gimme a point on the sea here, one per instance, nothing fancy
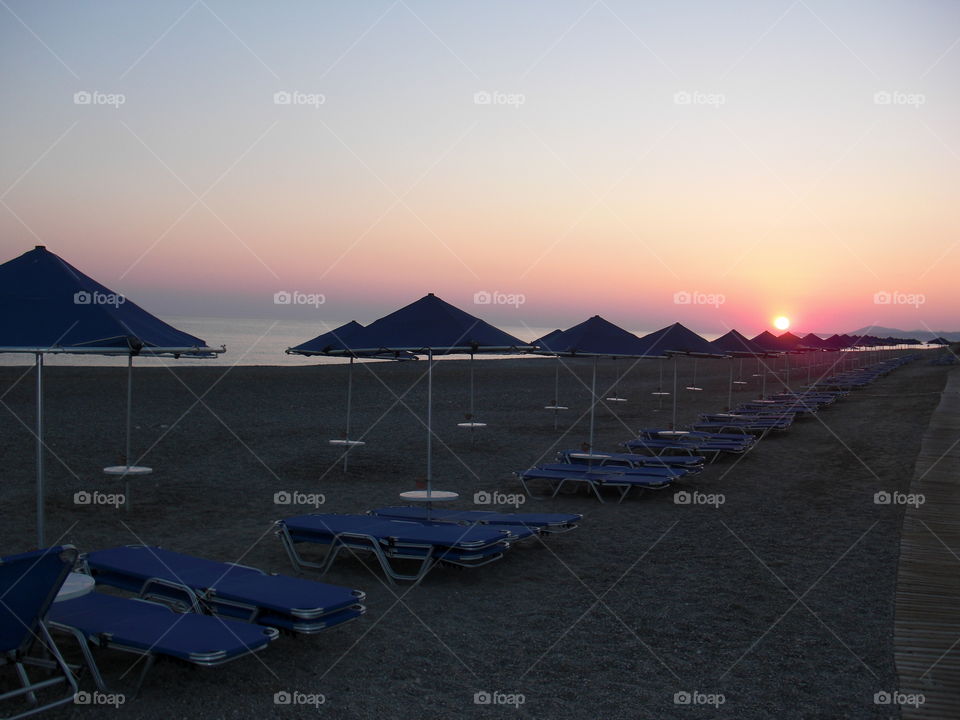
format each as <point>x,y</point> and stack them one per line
<point>249,341</point>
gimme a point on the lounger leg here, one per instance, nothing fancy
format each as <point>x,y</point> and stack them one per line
<point>596,490</point>
<point>25,681</point>
<point>425,566</point>
<point>88,658</point>
<point>143,674</point>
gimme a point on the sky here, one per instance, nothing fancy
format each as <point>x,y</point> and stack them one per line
<point>718,164</point>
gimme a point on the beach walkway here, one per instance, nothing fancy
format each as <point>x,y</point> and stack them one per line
<point>927,625</point>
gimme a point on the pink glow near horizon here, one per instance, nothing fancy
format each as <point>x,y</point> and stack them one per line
<point>799,194</point>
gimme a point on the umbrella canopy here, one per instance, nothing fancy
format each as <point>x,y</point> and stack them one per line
<point>675,339</point>
<point>769,342</point>
<point>835,342</point>
<point>814,342</point>
<point>543,342</point>
<point>596,337</point>
<point>429,325</point>
<point>336,339</point>
<point>788,341</point>
<point>48,306</point>
<point>733,343</point>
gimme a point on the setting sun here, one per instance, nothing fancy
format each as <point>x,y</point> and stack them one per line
<point>781,323</point>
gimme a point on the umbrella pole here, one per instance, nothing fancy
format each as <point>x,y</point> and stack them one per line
<point>429,425</point>
<point>593,400</point>
<point>349,407</point>
<point>674,425</point>
<point>472,416</point>
<point>730,389</point>
<point>556,394</point>
<point>126,457</point>
<point>40,492</point>
<point>126,452</point>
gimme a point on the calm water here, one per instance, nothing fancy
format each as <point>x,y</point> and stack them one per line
<point>248,341</point>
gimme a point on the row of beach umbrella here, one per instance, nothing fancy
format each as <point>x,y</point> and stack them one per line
<point>47,306</point>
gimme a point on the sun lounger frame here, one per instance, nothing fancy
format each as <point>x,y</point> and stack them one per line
<point>385,550</point>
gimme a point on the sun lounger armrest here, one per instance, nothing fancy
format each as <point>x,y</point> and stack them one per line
<point>247,567</point>
<point>192,600</point>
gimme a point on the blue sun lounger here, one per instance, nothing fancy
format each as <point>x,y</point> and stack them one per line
<point>152,630</point>
<point>29,583</point>
<point>237,591</point>
<point>690,463</point>
<point>547,523</point>
<point>623,480</point>
<point>395,541</point>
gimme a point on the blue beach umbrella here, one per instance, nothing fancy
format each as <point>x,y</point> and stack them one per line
<point>430,326</point>
<point>47,306</point>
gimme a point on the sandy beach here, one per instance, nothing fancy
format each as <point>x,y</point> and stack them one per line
<point>780,599</point>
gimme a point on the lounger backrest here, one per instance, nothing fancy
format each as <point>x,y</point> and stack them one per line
<point>29,583</point>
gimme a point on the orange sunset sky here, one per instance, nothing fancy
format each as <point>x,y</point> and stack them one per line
<point>797,159</point>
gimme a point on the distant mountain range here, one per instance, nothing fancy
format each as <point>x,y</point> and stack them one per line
<point>918,334</point>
